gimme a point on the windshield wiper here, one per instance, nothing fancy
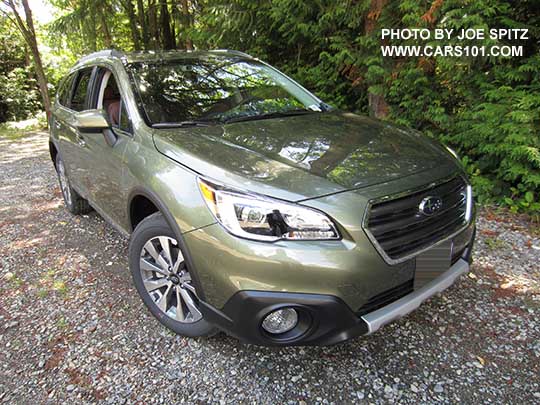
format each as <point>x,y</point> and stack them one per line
<point>200,123</point>
<point>325,107</point>
<point>181,124</point>
<point>276,114</point>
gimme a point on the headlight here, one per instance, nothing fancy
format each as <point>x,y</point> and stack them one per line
<point>265,219</point>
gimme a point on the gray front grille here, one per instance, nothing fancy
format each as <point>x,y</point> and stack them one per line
<point>400,230</point>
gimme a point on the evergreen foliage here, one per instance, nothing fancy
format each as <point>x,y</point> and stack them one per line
<point>19,94</point>
<point>486,108</point>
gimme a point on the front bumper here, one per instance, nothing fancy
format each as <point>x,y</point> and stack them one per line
<point>324,319</point>
<point>404,306</point>
<point>342,288</point>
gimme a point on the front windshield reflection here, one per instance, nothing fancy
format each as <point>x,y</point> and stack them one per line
<point>215,90</point>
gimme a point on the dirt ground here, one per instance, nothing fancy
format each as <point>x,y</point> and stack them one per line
<point>72,328</point>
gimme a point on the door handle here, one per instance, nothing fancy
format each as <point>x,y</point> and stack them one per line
<point>81,141</point>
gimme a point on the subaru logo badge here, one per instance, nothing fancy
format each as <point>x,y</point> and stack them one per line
<point>430,205</point>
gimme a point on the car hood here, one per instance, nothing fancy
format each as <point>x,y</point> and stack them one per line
<point>302,157</point>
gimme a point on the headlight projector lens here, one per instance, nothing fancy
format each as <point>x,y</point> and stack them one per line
<point>265,219</point>
<point>280,321</point>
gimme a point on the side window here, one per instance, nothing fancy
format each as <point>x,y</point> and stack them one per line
<point>110,100</point>
<point>78,99</point>
<point>64,91</point>
<point>123,123</point>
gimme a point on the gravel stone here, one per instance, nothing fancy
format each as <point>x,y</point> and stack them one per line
<point>73,330</point>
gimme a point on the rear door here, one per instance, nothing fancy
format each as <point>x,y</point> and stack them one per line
<point>64,131</point>
<point>75,142</point>
<point>60,116</point>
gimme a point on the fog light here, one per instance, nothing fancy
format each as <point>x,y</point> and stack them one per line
<point>280,321</point>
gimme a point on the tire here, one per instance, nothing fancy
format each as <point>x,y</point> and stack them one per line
<point>162,279</point>
<point>73,201</point>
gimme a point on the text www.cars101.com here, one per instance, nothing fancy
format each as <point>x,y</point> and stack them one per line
<point>452,50</point>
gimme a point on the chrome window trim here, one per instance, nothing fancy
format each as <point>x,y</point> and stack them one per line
<point>406,193</point>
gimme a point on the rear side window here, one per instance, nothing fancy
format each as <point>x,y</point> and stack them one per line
<point>64,91</point>
<point>78,100</point>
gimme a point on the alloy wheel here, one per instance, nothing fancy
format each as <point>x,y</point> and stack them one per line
<point>167,279</point>
<point>64,183</point>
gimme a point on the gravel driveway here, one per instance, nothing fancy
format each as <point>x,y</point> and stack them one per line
<point>72,328</point>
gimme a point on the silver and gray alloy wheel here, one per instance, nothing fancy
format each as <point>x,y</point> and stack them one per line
<point>64,182</point>
<point>73,201</point>
<point>167,279</point>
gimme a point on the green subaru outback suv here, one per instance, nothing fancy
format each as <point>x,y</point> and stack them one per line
<point>252,206</point>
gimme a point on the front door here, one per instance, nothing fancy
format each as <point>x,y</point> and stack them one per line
<point>104,180</point>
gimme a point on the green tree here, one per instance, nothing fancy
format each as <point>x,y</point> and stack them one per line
<point>26,27</point>
<point>487,108</point>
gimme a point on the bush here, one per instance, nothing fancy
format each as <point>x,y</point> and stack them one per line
<point>488,109</point>
<point>19,95</point>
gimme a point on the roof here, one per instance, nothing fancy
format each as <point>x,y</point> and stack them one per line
<point>128,57</point>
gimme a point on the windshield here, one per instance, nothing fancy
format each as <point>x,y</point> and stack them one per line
<point>216,90</point>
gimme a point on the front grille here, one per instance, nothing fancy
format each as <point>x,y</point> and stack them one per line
<point>386,297</point>
<point>399,228</point>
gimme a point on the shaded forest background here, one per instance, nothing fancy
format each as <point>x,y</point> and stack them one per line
<point>486,108</point>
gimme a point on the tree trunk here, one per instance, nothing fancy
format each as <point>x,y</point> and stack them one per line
<point>165,20</point>
<point>27,60</point>
<point>377,104</point>
<point>29,35</point>
<point>173,31</point>
<point>187,23</point>
<point>378,107</point>
<point>153,24</point>
<point>143,22</point>
<point>130,10</point>
<point>88,26</point>
<point>105,29</point>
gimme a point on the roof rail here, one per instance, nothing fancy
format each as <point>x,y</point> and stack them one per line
<point>239,53</point>
<point>107,52</point>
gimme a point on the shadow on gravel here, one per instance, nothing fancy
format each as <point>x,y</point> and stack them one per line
<point>72,328</point>
<point>31,146</point>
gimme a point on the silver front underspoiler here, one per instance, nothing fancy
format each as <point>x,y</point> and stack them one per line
<point>404,306</point>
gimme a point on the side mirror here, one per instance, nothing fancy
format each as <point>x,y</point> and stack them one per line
<point>96,121</point>
<point>92,121</point>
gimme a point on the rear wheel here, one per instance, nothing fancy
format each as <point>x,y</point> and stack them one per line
<point>163,279</point>
<point>73,201</point>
